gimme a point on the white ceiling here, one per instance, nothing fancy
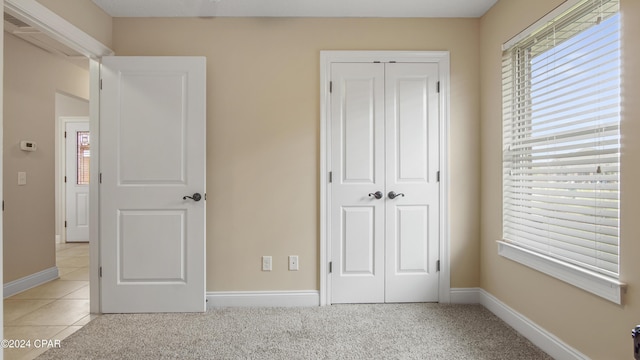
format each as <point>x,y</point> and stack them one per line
<point>295,8</point>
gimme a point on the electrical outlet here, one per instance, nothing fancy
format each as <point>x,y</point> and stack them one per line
<point>266,263</point>
<point>293,262</point>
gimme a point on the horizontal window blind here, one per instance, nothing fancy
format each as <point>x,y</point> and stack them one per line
<point>561,139</point>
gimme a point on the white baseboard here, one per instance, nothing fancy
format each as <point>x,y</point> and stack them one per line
<point>542,338</point>
<point>465,295</point>
<point>30,281</point>
<point>263,298</point>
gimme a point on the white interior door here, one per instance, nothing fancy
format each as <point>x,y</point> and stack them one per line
<point>152,136</point>
<point>357,215</point>
<point>77,159</point>
<point>412,165</point>
<point>384,138</point>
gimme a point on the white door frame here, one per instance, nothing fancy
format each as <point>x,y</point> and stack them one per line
<point>53,25</point>
<point>328,57</point>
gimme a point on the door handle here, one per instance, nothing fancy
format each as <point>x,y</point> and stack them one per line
<point>377,194</point>
<point>194,197</point>
<point>393,195</point>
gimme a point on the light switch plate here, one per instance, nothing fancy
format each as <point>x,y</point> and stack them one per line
<point>266,263</point>
<point>293,262</point>
<point>22,178</point>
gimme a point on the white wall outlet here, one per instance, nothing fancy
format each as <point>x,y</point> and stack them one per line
<point>266,263</point>
<point>293,262</point>
<point>22,178</point>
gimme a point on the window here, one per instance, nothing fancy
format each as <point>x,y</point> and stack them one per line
<point>83,157</point>
<point>561,147</point>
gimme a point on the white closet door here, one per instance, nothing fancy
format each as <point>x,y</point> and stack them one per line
<point>384,138</point>
<point>357,219</point>
<point>412,219</point>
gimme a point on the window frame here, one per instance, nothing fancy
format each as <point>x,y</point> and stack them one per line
<point>596,283</point>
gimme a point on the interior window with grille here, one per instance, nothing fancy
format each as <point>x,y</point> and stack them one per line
<point>561,139</point>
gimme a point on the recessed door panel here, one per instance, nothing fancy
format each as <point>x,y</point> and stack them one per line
<point>412,128</point>
<point>358,129</point>
<point>138,236</point>
<point>82,209</point>
<point>358,241</point>
<point>412,235</point>
<point>151,105</point>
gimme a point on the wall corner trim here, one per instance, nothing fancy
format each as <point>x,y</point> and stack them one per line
<point>30,281</point>
<point>306,298</point>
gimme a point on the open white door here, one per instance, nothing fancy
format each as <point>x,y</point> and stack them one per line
<point>77,159</point>
<point>152,146</point>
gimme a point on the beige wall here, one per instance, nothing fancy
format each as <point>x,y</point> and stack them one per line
<point>263,131</point>
<point>32,78</point>
<point>596,327</point>
<point>85,15</point>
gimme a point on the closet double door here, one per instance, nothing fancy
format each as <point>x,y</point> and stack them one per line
<point>384,192</point>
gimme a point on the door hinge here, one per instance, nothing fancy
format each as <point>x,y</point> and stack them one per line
<point>100,271</point>
<point>100,84</point>
<point>65,179</point>
<point>330,86</point>
<point>100,178</point>
<point>438,265</point>
<point>2,205</point>
<point>65,134</point>
<point>438,87</point>
<point>330,176</point>
<point>330,267</point>
<point>438,176</point>
<point>65,223</point>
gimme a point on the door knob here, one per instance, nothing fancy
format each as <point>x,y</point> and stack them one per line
<point>393,195</point>
<point>377,194</point>
<point>194,197</point>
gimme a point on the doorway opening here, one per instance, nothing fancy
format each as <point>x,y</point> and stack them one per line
<point>55,33</point>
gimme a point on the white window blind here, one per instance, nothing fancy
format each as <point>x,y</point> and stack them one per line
<point>561,140</point>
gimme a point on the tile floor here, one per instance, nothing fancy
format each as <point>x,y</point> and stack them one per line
<point>53,310</point>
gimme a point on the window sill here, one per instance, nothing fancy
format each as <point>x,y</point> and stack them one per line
<point>605,287</point>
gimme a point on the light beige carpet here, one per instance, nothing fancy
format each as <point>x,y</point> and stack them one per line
<point>385,331</point>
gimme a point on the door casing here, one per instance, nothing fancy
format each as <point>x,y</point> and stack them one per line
<point>326,59</point>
